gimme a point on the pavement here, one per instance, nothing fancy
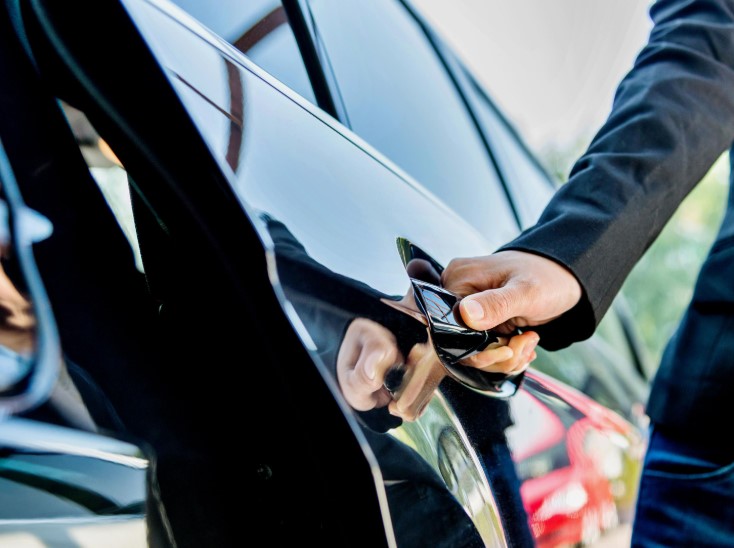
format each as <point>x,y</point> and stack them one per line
<point>619,537</point>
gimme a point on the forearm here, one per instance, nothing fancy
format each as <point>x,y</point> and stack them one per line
<point>672,117</point>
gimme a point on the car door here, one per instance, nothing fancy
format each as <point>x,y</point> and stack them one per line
<point>333,210</point>
<point>310,469</point>
<point>267,230</point>
<point>380,96</point>
<point>401,88</point>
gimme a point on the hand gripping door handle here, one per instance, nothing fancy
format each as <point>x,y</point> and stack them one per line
<point>452,340</point>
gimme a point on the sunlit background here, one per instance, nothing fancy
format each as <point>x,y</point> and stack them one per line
<point>553,68</point>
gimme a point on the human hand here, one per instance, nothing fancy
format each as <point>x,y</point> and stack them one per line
<point>424,372</point>
<point>367,353</point>
<point>510,359</point>
<point>511,289</point>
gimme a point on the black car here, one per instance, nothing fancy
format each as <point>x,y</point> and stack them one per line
<point>239,197</point>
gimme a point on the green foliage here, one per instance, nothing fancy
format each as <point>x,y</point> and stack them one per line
<point>661,284</point>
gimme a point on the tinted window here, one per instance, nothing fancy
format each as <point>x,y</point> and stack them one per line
<point>529,186</point>
<point>259,29</point>
<point>399,97</point>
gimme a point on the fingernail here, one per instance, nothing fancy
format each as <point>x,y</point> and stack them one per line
<point>473,309</point>
<point>507,353</point>
<point>529,348</point>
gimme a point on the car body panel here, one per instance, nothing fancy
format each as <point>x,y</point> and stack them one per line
<point>331,269</point>
<point>294,217</point>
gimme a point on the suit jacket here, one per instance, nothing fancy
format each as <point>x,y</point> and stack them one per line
<point>672,117</point>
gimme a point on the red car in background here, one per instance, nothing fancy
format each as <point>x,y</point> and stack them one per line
<point>577,461</point>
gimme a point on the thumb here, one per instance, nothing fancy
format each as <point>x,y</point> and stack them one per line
<point>492,307</point>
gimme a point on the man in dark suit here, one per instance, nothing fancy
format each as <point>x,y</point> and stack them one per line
<point>672,117</point>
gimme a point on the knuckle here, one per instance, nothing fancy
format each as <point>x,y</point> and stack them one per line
<point>455,263</point>
<point>455,267</point>
<point>477,360</point>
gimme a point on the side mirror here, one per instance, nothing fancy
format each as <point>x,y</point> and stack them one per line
<point>29,343</point>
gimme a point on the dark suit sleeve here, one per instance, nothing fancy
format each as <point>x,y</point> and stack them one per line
<point>672,117</point>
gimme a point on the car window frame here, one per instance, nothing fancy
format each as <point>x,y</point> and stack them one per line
<point>322,81</point>
<point>310,41</point>
<point>479,98</point>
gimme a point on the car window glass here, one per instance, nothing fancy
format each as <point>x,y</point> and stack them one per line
<point>530,187</point>
<point>399,98</point>
<point>259,29</point>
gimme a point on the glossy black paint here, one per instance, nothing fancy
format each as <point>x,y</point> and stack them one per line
<point>59,483</point>
<point>34,386</point>
<point>326,284</point>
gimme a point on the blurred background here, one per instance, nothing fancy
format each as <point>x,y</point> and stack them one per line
<point>553,68</point>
